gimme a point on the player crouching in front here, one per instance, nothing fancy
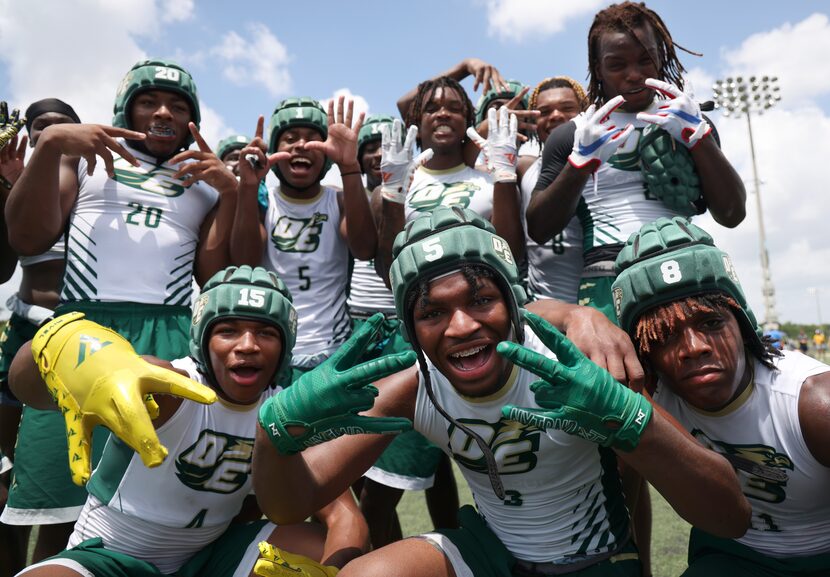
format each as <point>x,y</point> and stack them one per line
<point>177,516</point>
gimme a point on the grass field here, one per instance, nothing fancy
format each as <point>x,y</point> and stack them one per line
<point>669,535</point>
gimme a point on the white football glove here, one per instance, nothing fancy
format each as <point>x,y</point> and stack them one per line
<point>680,115</point>
<point>597,139</point>
<point>398,161</point>
<point>500,148</point>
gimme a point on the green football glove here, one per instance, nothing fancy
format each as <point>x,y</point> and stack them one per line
<point>326,401</point>
<point>577,396</point>
<point>9,125</point>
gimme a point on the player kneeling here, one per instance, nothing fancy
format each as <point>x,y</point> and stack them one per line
<point>176,514</point>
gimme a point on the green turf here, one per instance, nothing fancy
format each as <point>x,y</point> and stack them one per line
<point>669,535</point>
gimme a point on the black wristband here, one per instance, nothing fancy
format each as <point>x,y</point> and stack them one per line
<point>342,174</point>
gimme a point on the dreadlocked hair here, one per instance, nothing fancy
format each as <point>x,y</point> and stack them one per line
<point>655,325</point>
<point>626,17</point>
<point>559,82</point>
<point>425,91</point>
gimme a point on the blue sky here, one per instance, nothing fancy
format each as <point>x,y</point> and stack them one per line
<point>246,56</point>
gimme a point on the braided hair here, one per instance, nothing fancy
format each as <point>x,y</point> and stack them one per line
<point>655,325</point>
<point>426,89</point>
<point>559,82</point>
<point>626,17</point>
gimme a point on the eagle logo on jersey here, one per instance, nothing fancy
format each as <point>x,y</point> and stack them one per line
<point>440,194</point>
<point>158,180</point>
<point>298,234</point>
<point>762,470</point>
<point>216,462</point>
<point>514,445</point>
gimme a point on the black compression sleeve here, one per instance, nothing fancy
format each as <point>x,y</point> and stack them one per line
<point>555,155</point>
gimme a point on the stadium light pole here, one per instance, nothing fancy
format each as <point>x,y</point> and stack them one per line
<point>736,96</point>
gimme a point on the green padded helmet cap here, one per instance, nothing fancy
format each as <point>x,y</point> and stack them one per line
<point>513,88</point>
<point>370,131</point>
<point>671,259</point>
<point>155,75</point>
<point>231,143</point>
<point>243,293</point>
<point>297,112</point>
<point>669,171</point>
<point>442,241</point>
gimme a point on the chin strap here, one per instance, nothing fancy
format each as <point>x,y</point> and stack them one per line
<point>492,468</point>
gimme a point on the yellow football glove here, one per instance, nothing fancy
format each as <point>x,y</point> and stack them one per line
<point>96,378</point>
<point>277,563</point>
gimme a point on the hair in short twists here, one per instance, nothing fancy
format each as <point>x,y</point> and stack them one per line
<point>425,91</point>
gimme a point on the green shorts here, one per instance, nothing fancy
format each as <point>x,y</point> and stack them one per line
<point>410,462</point>
<point>18,331</point>
<point>42,491</point>
<point>711,556</point>
<point>233,554</point>
<point>474,550</point>
<point>158,330</point>
<point>595,292</point>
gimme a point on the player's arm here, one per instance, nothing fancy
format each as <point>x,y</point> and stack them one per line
<point>26,383</point>
<point>213,251</point>
<point>398,163</point>
<point>595,138</point>
<point>298,468</point>
<point>39,204</point>
<point>486,76</point>
<point>680,116</point>
<point>357,225</point>
<point>347,534</point>
<point>698,483</point>
<point>8,258</point>
<point>501,150</point>
<point>96,378</point>
<point>578,397</point>
<point>390,219</point>
<point>248,238</point>
<point>599,339</point>
<point>721,186</point>
<point>814,416</point>
<point>290,487</point>
<point>559,188</point>
<point>12,156</point>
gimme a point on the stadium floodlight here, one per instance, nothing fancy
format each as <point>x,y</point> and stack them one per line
<point>738,96</point>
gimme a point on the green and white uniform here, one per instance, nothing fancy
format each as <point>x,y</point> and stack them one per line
<point>134,238</point>
<point>131,245</point>
<point>461,185</point>
<point>167,514</point>
<point>305,249</point>
<point>368,294</point>
<point>409,463</point>
<point>553,268</point>
<point>761,435</point>
<point>615,203</point>
<point>563,500</point>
